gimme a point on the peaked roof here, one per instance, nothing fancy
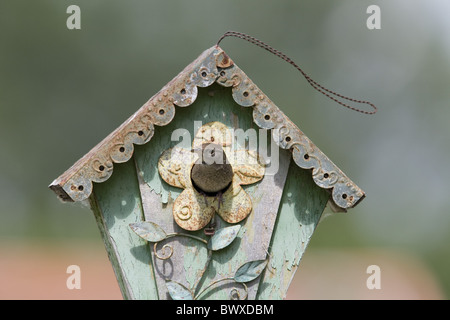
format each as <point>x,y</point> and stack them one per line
<point>213,65</point>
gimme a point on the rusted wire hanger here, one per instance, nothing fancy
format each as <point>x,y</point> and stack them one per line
<point>328,93</point>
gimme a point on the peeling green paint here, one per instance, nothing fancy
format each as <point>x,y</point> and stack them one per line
<point>301,207</point>
<point>117,204</point>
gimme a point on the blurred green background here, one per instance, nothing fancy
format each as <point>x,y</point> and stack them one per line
<point>62,91</point>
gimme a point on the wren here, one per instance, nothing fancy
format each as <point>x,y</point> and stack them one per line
<point>212,173</point>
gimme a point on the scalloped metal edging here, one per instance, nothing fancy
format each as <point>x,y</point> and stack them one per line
<point>213,65</point>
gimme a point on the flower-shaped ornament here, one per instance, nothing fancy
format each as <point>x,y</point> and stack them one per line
<point>211,174</point>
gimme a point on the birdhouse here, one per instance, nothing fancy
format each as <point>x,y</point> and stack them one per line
<point>208,191</point>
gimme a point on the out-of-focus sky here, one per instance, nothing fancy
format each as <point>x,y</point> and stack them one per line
<point>62,91</point>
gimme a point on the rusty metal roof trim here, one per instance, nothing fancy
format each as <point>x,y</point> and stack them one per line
<point>213,65</point>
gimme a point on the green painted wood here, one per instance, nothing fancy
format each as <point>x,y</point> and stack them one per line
<point>116,203</point>
<point>300,210</point>
<point>214,103</point>
<point>135,192</point>
<point>185,264</point>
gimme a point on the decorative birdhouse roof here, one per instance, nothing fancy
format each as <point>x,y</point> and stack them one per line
<point>212,66</point>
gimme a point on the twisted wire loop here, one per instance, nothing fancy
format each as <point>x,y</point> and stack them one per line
<point>328,93</point>
<point>234,293</point>
<point>164,256</point>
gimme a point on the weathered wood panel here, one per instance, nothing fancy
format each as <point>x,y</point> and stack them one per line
<point>116,203</point>
<point>214,103</point>
<point>300,210</point>
<point>136,193</point>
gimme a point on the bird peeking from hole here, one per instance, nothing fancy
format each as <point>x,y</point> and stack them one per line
<point>211,173</point>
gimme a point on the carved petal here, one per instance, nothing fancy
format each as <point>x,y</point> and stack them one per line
<point>247,166</point>
<point>213,132</point>
<point>174,167</point>
<point>192,211</point>
<point>236,204</point>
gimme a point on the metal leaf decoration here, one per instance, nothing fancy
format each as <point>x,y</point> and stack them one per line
<point>177,291</point>
<point>223,237</point>
<point>149,231</point>
<point>250,270</point>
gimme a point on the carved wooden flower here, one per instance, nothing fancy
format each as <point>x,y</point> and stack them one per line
<point>193,210</point>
